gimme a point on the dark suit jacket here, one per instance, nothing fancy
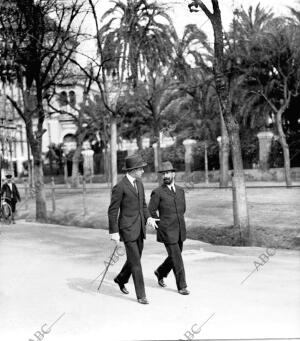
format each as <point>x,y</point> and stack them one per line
<point>128,212</point>
<point>13,195</point>
<point>171,209</point>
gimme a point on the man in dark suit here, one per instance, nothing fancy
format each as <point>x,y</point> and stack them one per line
<point>169,201</point>
<point>128,214</point>
<point>10,194</point>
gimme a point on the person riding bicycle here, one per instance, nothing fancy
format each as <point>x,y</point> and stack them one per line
<point>10,194</point>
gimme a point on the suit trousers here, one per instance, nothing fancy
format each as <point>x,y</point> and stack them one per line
<point>12,205</point>
<point>133,266</point>
<point>174,262</point>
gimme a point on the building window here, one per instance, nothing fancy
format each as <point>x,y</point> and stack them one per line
<point>63,99</point>
<point>72,98</point>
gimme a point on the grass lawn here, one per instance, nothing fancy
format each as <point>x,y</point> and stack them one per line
<point>274,214</point>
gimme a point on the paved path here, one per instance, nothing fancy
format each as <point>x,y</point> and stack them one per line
<point>46,274</point>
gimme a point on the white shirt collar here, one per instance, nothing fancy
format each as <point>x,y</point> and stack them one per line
<point>172,185</point>
<point>131,179</point>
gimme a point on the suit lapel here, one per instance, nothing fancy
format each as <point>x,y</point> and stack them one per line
<point>129,185</point>
<point>9,188</point>
<point>176,189</point>
<point>168,191</point>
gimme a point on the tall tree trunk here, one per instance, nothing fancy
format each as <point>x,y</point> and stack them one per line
<point>35,142</point>
<point>139,142</point>
<point>40,198</point>
<point>113,151</point>
<point>65,170</point>
<point>30,168</point>
<point>240,206</point>
<point>157,138</point>
<point>106,165</point>
<point>224,159</point>
<point>240,209</point>
<point>157,155</point>
<point>285,149</point>
<point>205,163</point>
<point>50,161</point>
<point>159,152</point>
<point>11,163</point>
<point>286,157</point>
<point>75,167</point>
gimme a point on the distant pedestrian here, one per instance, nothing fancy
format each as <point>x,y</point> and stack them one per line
<point>10,194</point>
<point>128,214</point>
<point>169,201</point>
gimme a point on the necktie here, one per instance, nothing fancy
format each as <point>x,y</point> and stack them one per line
<point>172,188</point>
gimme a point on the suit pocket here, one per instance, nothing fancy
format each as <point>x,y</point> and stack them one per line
<point>126,223</point>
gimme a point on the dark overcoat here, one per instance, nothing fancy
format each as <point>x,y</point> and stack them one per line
<point>171,208</point>
<point>128,212</point>
<point>9,195</point>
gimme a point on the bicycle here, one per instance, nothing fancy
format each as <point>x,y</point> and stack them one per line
<point>5,211</point>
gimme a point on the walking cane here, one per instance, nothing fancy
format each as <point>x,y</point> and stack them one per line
<point>108,265</point>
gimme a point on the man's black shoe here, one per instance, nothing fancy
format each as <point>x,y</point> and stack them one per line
<point>143,300</point>
<point>160,279</point>
<point>184,291</point>
<point>121,286</point>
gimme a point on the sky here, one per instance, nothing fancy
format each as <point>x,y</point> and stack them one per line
<point>181,16</point>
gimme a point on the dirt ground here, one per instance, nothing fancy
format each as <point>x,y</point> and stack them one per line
<point>47,283</point>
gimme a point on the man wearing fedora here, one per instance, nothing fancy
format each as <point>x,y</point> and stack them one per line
<point>169,201</point>
<point>128,215</point>
<point>10,194</point>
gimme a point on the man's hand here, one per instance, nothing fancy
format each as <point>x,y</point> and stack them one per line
<point>152,222</point>
<point>115,237</point>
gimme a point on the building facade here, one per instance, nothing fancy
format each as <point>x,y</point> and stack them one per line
<point>59,129</point>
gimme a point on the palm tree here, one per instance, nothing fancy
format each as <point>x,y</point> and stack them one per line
<point>249,23</point>
<point>269,56</point>
<point>136,119</point>
<point>196,115</point>
<point>156,97</point>
<point>243,42</point>
<point>245,31</point>
<point>192,46</point>
<point>135,36</point>
<point>222,82</point>
<point>281,44</point>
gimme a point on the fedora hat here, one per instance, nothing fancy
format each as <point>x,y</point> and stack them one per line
<point>133,162</point>
<point>166,167</point>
